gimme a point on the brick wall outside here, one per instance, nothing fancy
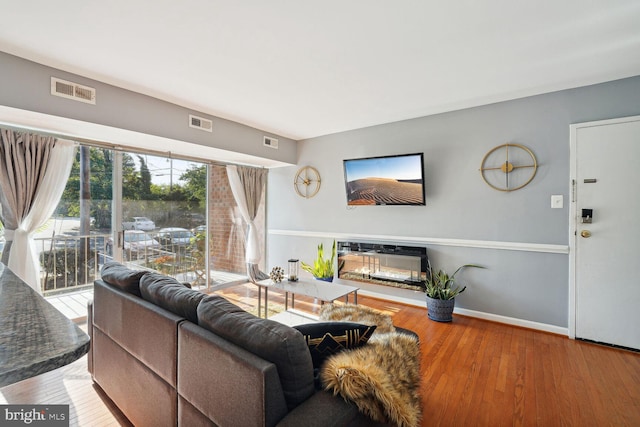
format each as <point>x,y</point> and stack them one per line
<point>227,230</point>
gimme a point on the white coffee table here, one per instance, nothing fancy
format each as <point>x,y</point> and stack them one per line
<point>323,291</point>
<point>292,317</point>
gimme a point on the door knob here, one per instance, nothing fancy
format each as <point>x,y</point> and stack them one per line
<point>585,233</point>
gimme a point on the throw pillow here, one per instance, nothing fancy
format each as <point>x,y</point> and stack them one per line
<point>327,338</point>
<point>122,277</point>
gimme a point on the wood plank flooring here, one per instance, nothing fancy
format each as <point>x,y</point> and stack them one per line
<point>70,385</point>
<point>474,373</point>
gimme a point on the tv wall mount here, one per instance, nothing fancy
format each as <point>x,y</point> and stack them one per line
<point>508,167</point>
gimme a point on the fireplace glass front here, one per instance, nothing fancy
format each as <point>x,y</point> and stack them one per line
<point>393,265</point>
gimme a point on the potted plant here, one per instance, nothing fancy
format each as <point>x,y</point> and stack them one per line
<point>441,291</point>
<point>322,269</point>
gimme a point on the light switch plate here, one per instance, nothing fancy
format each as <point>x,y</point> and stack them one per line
<point>556,201</point>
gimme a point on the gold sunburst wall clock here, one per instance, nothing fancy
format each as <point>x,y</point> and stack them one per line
<point>508,167</point>
<point>307,182</point>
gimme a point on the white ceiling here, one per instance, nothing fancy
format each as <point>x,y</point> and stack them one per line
<point>303,69</point>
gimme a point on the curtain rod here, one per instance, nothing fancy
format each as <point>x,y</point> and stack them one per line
<point>117,147</point>
<point>108,145</point>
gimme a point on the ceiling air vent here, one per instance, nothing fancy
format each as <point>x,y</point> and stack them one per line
<point>73,91</point>
<point>270,142</point>
<point>200,123</point>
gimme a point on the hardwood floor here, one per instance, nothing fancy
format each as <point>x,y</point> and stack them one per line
<point>474,373</point>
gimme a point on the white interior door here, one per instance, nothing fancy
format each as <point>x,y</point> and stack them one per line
<point>606,252</point>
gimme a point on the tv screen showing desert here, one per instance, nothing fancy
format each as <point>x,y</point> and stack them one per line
<point>384,181</point>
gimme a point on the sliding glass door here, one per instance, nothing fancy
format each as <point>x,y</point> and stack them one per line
<point>174,216</point>
<point>72,244</point>
<point>162,224</point>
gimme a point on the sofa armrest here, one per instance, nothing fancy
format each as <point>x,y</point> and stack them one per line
<point>326,410</point>
<point>90,332</point>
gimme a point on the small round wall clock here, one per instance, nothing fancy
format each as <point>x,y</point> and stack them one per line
<point>307,182</point>
<point>508,167</point>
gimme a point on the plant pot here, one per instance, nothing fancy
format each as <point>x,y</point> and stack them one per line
<point>325,279</point>
<point>440,310</point>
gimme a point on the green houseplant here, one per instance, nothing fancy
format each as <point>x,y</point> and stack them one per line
<point>441,290</point>
<point>322,269</point>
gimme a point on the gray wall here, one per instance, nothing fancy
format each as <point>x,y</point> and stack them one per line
<point>522,241</point>
<point>26,86</point>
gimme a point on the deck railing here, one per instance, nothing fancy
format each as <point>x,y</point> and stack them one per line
<point>73,262</point>
<point>70,262</point>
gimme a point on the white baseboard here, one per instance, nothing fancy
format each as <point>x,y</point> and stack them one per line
<point>472,313</point>
<point>513,321</point>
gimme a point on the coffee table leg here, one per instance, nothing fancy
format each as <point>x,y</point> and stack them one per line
<point>259,300</point>
<point>293,301</point>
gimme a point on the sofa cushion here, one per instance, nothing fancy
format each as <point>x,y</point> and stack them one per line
<point>279,344</point>
<point>168,293</point>
<point>327,338</point>
<point>122,277</point>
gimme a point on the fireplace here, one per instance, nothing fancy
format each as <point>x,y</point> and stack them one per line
<point>383,264</point>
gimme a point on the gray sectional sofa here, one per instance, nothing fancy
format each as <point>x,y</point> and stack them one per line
<point>168,355</point>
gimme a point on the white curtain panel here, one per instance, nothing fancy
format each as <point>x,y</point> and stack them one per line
<point>238,231</point>
<point>23,257</point>
<point>253,253</point>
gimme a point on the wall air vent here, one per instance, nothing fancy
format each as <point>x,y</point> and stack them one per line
<point>200,123</point>
<point>73,91</point>
<point>270,142</point>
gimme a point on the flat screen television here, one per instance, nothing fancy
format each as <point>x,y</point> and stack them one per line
<point>385,180</point>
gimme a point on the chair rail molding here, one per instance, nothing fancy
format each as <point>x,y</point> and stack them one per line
<point>479,244</point>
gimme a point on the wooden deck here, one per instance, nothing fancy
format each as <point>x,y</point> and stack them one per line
<point>74,304</point>
<point>474,373</point>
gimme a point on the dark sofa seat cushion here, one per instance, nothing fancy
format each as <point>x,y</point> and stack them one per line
<point>122,277</point>
<point>168,293</point>
<point>279,344</point>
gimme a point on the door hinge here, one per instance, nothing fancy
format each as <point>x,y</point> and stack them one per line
<point>573,190</point>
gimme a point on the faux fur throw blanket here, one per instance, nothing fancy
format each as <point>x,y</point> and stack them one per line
<point>357,314</point>
<point>383,377</point>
